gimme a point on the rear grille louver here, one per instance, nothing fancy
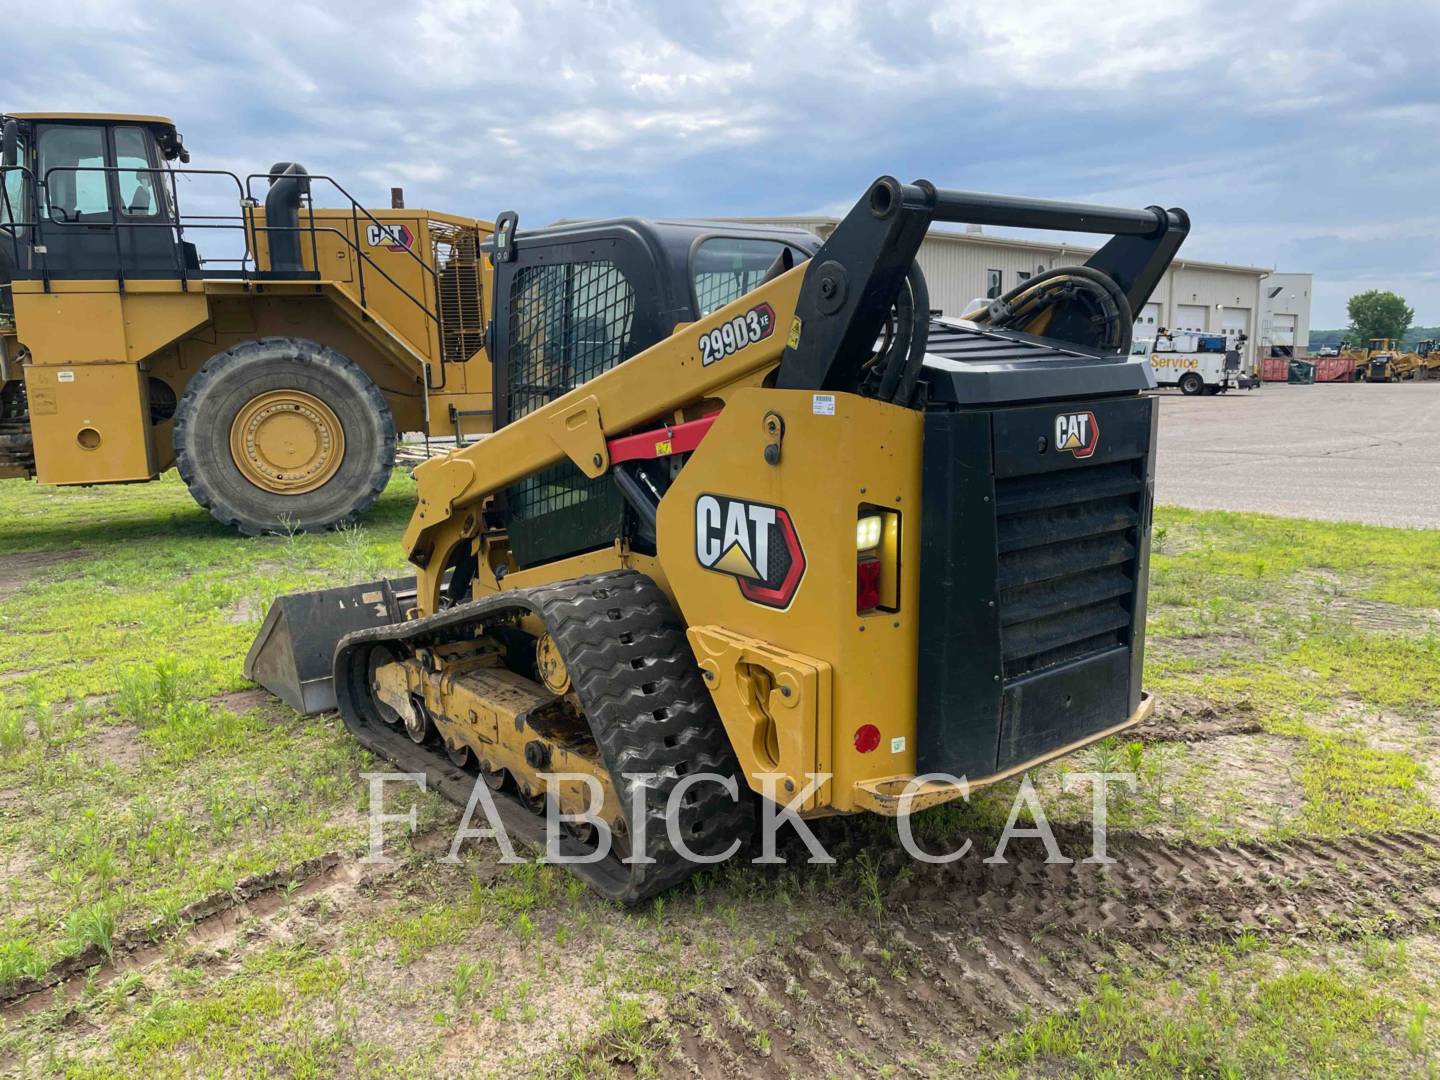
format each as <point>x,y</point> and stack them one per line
<point>1067,545</point>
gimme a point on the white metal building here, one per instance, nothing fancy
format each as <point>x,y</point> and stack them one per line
<point>1197,296</point>
<point>1285,312</point>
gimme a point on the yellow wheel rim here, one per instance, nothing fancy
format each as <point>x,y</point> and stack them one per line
<point>287,442</point>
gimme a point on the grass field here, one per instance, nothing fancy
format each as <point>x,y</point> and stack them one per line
<point>181,877</point>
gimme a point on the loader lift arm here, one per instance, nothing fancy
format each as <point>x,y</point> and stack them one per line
<point>833,307</point>
<point>852,281</point>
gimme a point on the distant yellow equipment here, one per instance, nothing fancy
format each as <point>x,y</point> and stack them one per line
<point>276,379</point>
<point>1429,357</point>
<point>1386,361</point>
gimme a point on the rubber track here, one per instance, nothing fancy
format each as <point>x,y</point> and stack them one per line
<point>967,951</point>
<point>642,695</point>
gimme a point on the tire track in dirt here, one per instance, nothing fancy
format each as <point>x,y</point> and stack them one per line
<point>201,921</point>
<point>205,921</point>
<point>965,951</point>
<point>1198,731</point>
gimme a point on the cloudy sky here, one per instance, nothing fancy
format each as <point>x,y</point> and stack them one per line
<point>1301,136</point>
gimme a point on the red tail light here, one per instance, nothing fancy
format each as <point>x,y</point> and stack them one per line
<point>867,584</point>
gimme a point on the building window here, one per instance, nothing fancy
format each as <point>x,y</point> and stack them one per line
<point>992,284</point>
<point>1022,276</point>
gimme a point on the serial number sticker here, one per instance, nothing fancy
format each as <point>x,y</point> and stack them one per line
<point>757,324</point>
<point>65,376</point>
<point>823,405</point>
<point>897,744</point>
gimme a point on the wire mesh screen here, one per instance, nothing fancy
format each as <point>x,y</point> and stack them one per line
<point>568,323</point>
<point>560,487</point>
<point>460,304</point>
<point>714,291</point>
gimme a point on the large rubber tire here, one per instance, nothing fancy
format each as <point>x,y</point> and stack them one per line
<point>1191,383</point>
<point>232,379</point>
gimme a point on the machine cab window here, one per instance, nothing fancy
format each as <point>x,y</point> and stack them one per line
<point>725,268</point>
<point>137,173</point>
<point>72,174</point>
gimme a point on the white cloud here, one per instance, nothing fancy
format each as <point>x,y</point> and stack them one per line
<point>1288,132</point>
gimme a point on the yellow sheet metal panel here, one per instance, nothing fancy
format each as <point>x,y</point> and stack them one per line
<point>75,323</point>
<point>81,322</point>
<point>731,514</point>
<point>91,423</point>
<point>154,320</point>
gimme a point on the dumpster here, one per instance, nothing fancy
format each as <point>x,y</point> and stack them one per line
<point>1274,369</point>
<point>1334,369</point>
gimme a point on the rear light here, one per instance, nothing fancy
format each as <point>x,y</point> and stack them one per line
<point>868,532</point>
<point>867,584</point>
<point>867,738</point>
<point>877,563</point>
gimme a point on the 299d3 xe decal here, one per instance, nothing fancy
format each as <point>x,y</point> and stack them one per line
<point>1077,433</point>
<point>755,325</point>
<point>754,543</point>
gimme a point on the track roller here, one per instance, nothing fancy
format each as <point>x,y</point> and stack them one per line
<point>619,696</point>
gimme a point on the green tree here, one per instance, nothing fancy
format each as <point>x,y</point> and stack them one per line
<point>1377,314</point>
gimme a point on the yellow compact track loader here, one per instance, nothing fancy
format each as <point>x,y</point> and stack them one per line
<point>275,375</point>
<point>752,510</point>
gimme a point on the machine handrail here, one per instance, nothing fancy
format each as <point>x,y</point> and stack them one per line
<point>243,222</point>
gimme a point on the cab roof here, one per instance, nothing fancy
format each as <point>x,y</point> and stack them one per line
<point>163,128</point>
<point>133,118</point>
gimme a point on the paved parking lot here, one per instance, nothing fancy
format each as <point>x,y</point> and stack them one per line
<point>1342,451</point>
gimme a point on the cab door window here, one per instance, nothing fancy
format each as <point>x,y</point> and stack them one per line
<point>72,168</point>
<point>136,176</point>
<point>12,208</point>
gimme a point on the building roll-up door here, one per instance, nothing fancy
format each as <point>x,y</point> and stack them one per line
<point>1235,321</point>
<point>1282,329</point>
<point>1190,319</point>
<point>1148,322</point>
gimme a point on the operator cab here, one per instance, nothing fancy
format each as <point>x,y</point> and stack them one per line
<point>585,296</point>
<point>90,196</point>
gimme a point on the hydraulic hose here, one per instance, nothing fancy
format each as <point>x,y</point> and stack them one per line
<point>894,373</point>
<point>1033,304</point>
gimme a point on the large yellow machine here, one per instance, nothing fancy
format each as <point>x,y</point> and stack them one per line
<point>750,511</point>
<point>275,375</point>
<point>1386,361</point>
<point>1429,357</point>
